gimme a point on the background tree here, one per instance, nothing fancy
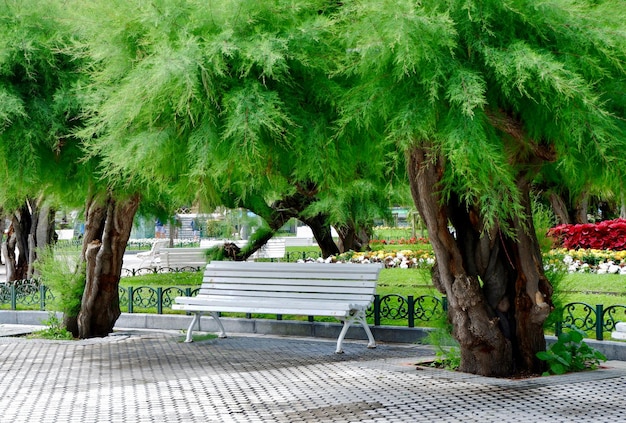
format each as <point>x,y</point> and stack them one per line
<point>229,105</point>
<point>481,95</point>
<point>37,112</point>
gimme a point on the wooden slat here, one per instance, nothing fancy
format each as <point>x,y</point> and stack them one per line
<point>288,294</point>
<point>275,303</point>
<point>279,274</point>
<point>287,284</point>
<point>262,310</point>
<point>334,268</point>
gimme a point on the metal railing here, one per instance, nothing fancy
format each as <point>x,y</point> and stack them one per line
<point>390,309</point>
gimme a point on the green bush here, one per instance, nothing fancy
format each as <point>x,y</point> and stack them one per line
<point>57,273</point>
<point>447,350</point>
<point>54,330</point>
<point>570,354</point>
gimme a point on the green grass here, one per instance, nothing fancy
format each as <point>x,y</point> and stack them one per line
<point>590,282</point>
<point>163,280</point>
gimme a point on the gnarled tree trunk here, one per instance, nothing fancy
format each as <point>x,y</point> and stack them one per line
<point>17,253</point>
<point>107,230</point>
<point>498,296</point>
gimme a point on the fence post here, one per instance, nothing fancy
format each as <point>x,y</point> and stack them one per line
<point>599,322</point>
<point>42,297</point>
<point>13,297</point>
<point>411,311</point>
<point>159,300</point>
<point>131,294</point>
<point>376,310</point>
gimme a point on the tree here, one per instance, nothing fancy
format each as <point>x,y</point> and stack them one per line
<point>228,105</point>
<point>481,96</point>
<point>41,71</point>
<point>37,114</point>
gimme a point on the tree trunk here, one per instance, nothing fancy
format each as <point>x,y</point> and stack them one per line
<point>353,238</point>
<point>322,234</point>
<point>103,263</point>
<point>95,217</point>
<point>32,228</point>
<point>560,209</point>
<point>18,245</point>
<point>498,297</point>
<point>581,207</point>
<point>41,233</point>
<point>279,213</point>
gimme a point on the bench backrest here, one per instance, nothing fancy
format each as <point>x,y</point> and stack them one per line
<point>333,282</point>
<point>179,257</point>
<point>274,248</point>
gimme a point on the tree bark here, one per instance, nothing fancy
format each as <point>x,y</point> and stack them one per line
<point>32,228</point>
<point>498,297</point>
<point>322,234</point>
<point>17,245</point>
<point>559,207</point>
<point>353,238</point>
<point>103,258</point>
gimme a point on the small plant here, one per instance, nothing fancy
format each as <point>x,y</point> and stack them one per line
<point>54,330</point>
<point>570,354</point>
<point>447,352</point>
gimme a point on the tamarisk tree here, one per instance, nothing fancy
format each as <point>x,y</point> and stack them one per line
<point>38,112</point>
<point>229,105</point>
<point>481,96</point>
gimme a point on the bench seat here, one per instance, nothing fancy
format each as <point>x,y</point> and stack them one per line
<point>343,291</point>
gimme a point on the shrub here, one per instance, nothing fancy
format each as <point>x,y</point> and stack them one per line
<point>570,354</point>
<point>606,235</point>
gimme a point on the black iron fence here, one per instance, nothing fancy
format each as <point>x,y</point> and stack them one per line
<point>391,309</point>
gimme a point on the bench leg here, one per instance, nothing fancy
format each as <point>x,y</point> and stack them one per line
<point>196,319</point>
<point>363,320</point>
<point>357,317</point>
<point>216,317</point>
<point>344,330</point>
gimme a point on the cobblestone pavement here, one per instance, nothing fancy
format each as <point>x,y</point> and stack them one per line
<point>145,376</point>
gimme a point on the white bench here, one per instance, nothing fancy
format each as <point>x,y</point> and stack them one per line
<point>343,291</point>
<point>273,249</point>
<point>178,258</point>
<point>152,256</point>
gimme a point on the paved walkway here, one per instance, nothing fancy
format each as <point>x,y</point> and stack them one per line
<point>146,376</point>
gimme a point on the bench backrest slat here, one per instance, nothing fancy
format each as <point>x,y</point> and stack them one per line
<point>332,282</point>
<point>294,295</point>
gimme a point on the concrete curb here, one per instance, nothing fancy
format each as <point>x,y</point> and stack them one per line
<point>393,334</point>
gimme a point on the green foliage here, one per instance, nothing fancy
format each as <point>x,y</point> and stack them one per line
<point>447,352</point>
<point>54,330</point>
<point>560,284</point>
<point>482,84</point>
<point>58,273</point>
<point>570,354</point>
<point>39,108</point>
<point>543,220</point>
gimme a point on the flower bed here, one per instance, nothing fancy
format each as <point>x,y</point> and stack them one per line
<point>404,259</point>
<point>586,260</point>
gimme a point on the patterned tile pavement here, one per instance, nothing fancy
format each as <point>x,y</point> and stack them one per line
<point>151,376</point>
